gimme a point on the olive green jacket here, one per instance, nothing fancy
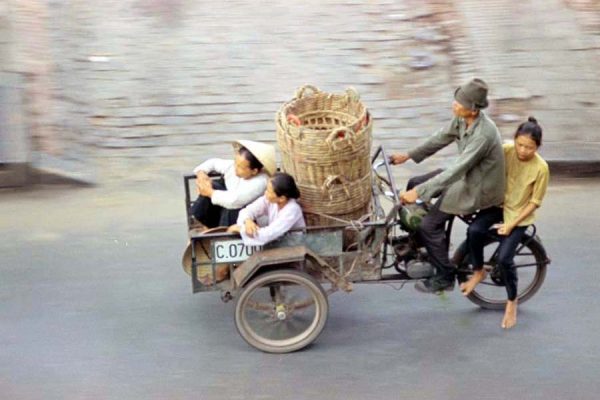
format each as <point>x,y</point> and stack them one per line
<point>476,179</point>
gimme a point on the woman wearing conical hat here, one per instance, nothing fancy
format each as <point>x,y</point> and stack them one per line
<point>244,180</point>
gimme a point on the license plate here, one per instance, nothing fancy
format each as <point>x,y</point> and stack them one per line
<point>231,251</point>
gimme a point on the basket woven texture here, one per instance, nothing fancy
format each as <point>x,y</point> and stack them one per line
<point>325,141</point>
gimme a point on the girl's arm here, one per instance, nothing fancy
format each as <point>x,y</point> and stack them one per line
<point>539,191</point>
<point>252,211</point>
<point>286,219</point>
<point>506,228</point>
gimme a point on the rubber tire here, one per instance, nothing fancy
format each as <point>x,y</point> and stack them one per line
<point>539,254</point>
<point>298,277</point>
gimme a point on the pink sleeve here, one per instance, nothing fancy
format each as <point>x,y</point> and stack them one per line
<point>285,221</point>
<point>257,208</point>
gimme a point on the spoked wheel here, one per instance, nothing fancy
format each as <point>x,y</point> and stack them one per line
<point>530,261</point>
<point>281,311</point>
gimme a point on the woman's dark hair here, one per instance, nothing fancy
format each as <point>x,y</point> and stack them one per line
<point>531,128</point>
<point>284,185</point>
<point>254,163</point>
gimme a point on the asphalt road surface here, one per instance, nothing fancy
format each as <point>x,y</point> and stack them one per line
<point>94,305</point>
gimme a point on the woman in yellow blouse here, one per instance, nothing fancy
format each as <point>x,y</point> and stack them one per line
<point>526,182</point>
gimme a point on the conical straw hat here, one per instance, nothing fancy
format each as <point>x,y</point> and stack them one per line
<point>265,153</point>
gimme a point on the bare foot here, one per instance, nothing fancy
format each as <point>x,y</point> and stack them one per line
<point>468,286</point>
<point>510,315</point>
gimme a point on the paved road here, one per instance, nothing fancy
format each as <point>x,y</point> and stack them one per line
<point>99,308</point>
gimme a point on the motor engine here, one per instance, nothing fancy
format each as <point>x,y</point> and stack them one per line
<point>419,269</point>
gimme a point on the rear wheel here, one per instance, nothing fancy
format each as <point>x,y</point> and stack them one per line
<point>281,311</point>
<point>530,261</point>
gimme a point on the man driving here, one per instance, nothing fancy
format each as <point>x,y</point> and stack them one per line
<point>474,181</point>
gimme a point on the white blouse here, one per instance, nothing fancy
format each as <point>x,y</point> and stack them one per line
<point>239,191</point>
<point>279,221</point>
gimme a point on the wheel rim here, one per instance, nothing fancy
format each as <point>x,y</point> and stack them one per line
<point>492,290</point>
<point>282,311</point>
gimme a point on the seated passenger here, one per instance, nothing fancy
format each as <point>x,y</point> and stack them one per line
<point>244,180</point>
<point>280,208</point>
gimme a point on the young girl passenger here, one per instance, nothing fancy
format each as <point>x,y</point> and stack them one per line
<point>527,177</point>
<point>278,206</point>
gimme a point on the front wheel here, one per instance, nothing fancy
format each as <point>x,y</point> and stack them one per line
<point>530,261</point>
<point>281,311</point>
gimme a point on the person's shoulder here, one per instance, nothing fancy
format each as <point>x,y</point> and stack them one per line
<point>488,128</point>
<point>510,154</point>
<point>487,122</point>
<point>263,178</point>
<point>542,164</point>
<point>451,128</point>
<point>293,206</point>
<point>508,146</point>
<point>454,122</point>
<point>260,178</point>
<point>293,203</point>
<point>262,200</point>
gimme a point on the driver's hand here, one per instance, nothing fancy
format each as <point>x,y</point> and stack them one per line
<point>399,158</point>
<point>409,197</point>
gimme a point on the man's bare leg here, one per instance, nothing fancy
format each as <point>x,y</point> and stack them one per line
<point>468,286</point>
<point>510,315</point>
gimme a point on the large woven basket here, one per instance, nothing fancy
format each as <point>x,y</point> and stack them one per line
<point>322,134</point>
<point>312,160</point>
<point>325,142</point>
<point>336,195</point>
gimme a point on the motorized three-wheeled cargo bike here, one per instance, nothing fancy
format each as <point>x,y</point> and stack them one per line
<point>281,289</point>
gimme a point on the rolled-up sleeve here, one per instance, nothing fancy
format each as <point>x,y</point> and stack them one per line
<point>540,186</point>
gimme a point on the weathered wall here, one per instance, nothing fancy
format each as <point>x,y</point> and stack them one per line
<point>53,115</point>
<point>110,85</point>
